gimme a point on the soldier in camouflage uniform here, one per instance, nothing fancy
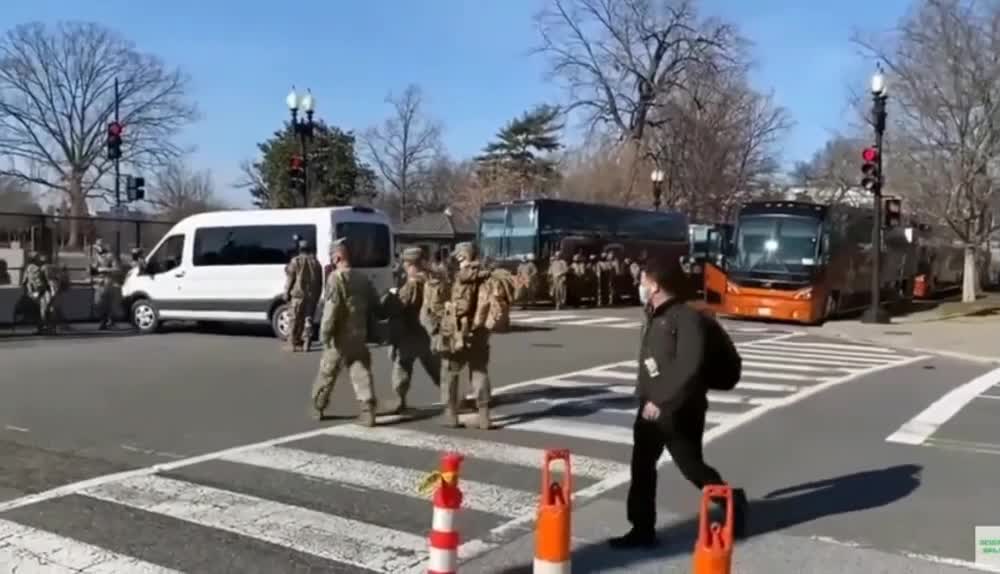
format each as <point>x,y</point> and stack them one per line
<point>558,270</point>
<point>104,273</point>
<point>527,281</point>
<point>451,314</point>
<point>36,286</point>
<point>614,272</point>
<point>303,288</point>
<point>594,276</point>
<point>349,303</point>
<point>409,341</point>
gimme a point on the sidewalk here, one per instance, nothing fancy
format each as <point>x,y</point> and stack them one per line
<point>770,553</point>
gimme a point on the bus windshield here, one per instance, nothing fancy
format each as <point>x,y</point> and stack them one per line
<point>492,228</point>
<point>508,232</point>
<point>776,244</point>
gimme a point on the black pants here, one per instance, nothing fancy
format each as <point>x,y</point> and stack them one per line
<point>681,434</point>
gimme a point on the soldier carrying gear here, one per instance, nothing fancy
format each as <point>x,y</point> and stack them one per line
<point>409,340</point>
<point>303,288</point>
<point>558,269</point>
<point>350,302</point>
<point>104,275</point>
<point>527,281</point>
<point>451,311</point>
<point>36,287</point>
<point>614,271</point>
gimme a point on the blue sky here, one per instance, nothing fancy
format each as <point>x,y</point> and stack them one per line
<point>471,57</point>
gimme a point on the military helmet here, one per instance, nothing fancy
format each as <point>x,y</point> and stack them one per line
<point>465,251</point>
<point>303,245</point>
<point>593,257</point>
<point>578,257</point>
<point>412,255</point>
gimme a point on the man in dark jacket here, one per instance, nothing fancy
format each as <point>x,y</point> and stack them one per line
<point>673,399</point>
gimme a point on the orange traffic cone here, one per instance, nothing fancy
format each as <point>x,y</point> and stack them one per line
<point>444,539</point>
<point>552,531</point>
<point>713,551</point>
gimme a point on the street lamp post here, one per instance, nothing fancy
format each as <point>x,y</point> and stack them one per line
<point>875,313</point>
<point>303,131</point>
<point>657,178</point>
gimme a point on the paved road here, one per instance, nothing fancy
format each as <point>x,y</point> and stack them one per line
<point>88,419</point>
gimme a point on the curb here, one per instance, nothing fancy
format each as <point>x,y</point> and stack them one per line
<point>956,315</point>
<point>923,350</point>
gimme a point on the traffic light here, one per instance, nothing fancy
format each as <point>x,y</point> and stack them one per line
<point>135,188</point>
<point>297,171</point>
<point>892,212</point>
<point>871,175</point>
<point>114,140</point>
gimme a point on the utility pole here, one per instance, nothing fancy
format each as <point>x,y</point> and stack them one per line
<point>118,185</point>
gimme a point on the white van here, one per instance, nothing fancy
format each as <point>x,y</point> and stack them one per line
<point>229,266</point>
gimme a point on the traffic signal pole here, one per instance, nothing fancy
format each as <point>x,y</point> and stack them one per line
<point>118,188</point>
<point>875,313</point>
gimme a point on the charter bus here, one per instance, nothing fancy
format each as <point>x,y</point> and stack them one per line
<point>940,263</point>
<point>804,262</point>
<point>511,230</point>
<point>709,243</point>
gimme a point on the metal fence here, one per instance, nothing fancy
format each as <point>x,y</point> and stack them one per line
<point>68,241</point>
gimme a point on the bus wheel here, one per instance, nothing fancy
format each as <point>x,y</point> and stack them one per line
<point>831,308</point>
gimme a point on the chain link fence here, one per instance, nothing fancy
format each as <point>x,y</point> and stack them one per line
<point>70,246</point>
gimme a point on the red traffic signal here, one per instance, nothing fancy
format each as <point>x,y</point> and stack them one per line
<point>115,129</point>
<point>870,155</point>
<point>296,163</point>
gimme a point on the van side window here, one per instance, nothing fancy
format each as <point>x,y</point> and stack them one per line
<point>169,255</point>
<point>249,244</point>
<point>367,242</point>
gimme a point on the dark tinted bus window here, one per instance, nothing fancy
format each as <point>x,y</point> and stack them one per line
<point>367,242</point>
<point>249,245</point>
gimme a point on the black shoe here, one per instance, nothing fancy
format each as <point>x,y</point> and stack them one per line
<point>633,540</point>
<point>741,506</point>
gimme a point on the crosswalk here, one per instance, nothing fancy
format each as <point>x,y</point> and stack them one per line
<point>544,318</point>
<point>344,498</point>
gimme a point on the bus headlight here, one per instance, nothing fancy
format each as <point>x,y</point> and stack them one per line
<point>732,288</point>
<point>804,294</point>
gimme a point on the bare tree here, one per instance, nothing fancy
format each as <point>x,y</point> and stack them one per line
<point>945,111</point>
<point>178,192</point>
<point>56,99</point>
<point>832,172</point>
<point>403,146</point>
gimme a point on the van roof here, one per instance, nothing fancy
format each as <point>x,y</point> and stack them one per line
<point>264,216</point>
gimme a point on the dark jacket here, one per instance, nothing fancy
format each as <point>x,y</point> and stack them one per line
<point>671,356</point>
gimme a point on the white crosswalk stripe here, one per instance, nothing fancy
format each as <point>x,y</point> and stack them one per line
<point>365,473</point>
<point>588,319</point>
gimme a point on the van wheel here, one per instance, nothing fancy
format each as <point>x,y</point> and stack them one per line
<point>145,316</point>
<point>281,322</point>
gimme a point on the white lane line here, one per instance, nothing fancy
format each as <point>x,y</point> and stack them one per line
<point>767,387</point>
<point>547,318</point>
<point>609,374</point>
<point>595,321</point>
<point>376,476</point>
<point>16,429</point>
<point>298,529</point>
<point>629,325</point>
<point>30,550</point>
<point>794,353</point>
<point>841,346</point>
<point>786,359</point>
<point>853,355</point>
<point>769,375</point>
<point>526,457</point>
<point>989,397</point>
<point>784,367</point>
<point>916,430</point>
<point>558,426</point>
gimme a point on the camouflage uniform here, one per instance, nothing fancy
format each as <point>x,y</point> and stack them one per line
<point>578,283</point>
<point>36,286</point>
<point>409,341</point>
<point>558,269</point>
<point>527,281</point>
<point>450,312</point>
<point>614,272</point>
<point>594,276</point>
<point>303,287</point>
<point>57,279</point>
<point>104,272</point>
<point>350,301</point>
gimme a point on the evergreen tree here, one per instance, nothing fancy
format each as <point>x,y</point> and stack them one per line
<point>337,176</point>
<point>519,156</point>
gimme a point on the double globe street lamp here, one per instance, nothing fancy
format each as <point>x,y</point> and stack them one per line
<point>303,128</point>
<point>874,181</point>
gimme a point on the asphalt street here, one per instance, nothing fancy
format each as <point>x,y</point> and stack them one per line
<point>192,452</point>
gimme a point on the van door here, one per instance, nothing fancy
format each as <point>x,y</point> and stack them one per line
<point>163,278</point>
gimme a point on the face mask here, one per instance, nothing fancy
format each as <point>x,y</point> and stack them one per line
<point>643,294</point>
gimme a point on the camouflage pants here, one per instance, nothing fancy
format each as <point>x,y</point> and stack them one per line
<point>43,301</point>
<point>558,291</point>
<point>358,360</point>
<point>301,311</point>
<point>105,297</point>
<point>405,354</point>
<point>600,291</point>
<point>475,358</point>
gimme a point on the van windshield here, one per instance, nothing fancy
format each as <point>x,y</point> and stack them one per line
<point>370,244</point>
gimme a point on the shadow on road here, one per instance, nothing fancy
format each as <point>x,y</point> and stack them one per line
<point>778,510</point>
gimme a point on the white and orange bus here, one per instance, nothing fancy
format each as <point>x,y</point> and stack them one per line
<point>805,262</point>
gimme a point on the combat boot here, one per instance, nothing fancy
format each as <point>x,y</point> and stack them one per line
<point>367,416</point>
<point>399,407</point>
<point>450,418</point>
<point>484,418</point>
